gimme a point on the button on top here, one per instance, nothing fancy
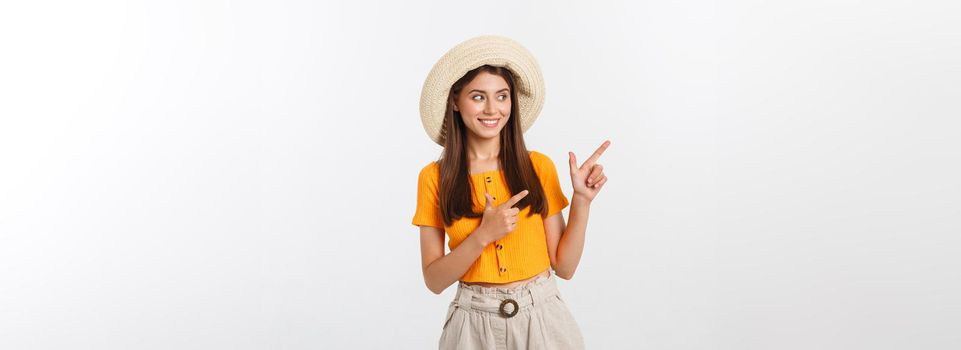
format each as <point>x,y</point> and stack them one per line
<point>500,246</point>
<point>503,269</point>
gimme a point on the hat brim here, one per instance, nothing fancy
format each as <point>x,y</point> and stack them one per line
<point>475,52</point>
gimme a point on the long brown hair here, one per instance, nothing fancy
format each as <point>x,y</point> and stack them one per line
<point>455,190</point>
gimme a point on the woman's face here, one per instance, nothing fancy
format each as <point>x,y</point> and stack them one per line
<point>484,105</point>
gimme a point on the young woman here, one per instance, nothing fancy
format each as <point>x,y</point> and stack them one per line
<point>499,204</point>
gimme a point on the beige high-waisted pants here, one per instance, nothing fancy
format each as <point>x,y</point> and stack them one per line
<point>486,318</point>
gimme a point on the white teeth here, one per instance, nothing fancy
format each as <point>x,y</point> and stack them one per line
<point>489,122</point>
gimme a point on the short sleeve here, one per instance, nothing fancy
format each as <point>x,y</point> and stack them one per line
<point>547,172</point>
<point>428,203</point>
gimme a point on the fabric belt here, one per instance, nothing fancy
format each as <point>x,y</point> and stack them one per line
<point>505,302</point>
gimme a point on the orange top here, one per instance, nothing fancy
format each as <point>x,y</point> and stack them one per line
<point>518,255</point>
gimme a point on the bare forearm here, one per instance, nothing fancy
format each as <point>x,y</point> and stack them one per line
<point>448,269</point>
<point>571,244</point>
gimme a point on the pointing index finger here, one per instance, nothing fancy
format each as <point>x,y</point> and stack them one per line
<point>597,154</point>
<point>516,198</point>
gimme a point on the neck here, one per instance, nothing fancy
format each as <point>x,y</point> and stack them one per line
<point>483,149</point>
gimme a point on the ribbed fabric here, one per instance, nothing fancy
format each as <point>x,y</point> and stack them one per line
<point>523,252</point>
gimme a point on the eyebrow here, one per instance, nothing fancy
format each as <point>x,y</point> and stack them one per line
<point>481,91</point>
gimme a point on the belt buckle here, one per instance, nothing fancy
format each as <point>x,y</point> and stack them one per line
<point>505,313</point>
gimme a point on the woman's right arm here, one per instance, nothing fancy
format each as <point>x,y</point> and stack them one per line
<point>441,271</point>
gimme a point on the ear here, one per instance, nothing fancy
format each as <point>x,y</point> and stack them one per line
<point>452,100</point>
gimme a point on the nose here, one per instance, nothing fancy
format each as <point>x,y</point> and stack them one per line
<point>489,108</point>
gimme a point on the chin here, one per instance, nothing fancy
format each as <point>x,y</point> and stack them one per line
<point>486,136</point>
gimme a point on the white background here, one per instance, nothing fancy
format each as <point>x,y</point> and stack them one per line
<point>241,175</point>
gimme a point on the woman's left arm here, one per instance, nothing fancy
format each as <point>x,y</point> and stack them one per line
<point>566,242</point>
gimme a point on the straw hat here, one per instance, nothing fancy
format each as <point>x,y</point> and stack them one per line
<point>475,52</point>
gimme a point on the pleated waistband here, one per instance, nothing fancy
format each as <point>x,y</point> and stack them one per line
<point>490,299</point>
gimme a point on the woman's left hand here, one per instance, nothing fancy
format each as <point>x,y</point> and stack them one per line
<point>589,178</point>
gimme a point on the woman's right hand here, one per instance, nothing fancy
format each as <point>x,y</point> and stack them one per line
<point>500,220</point>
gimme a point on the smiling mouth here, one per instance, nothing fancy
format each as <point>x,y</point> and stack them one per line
<point>489,122</point>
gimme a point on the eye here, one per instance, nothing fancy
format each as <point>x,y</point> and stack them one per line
<point>502,97</point>
<point>477,98</point>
